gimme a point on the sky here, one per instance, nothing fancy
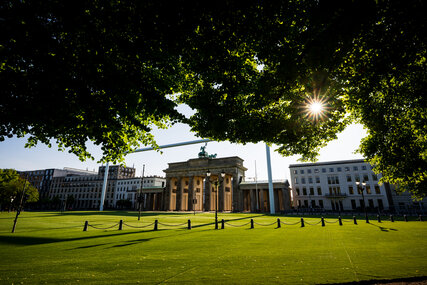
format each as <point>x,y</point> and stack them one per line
<point>14,155</point>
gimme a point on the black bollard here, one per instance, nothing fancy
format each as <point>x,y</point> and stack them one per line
<point>323,222</point>
<point>278,222</point>
<point>189,225</point>
<point>420,218</point>
<point>85,226</point>
<point>379,218</point>
<point>405,218</point>
<point>367,219</point>
<point>354,220</point>
<point>391,218</point>
<point>222,224</point>
<point>339,220</point>
<point>155,225</point>
<point>121,225</point>
<point>252,223</point>
<point>302,222</point>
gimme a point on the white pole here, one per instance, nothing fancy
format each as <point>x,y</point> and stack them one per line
<point>270,180</point>
<point>104,188</point>
<point>172,145</point>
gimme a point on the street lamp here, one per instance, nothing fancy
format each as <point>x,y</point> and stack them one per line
<point>216,182</point>
<point>363,197</point>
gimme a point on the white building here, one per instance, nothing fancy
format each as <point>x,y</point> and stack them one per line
<point>332,186</point>
<point>152,191</point>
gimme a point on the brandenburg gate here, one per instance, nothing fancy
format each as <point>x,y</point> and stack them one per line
<point>188,188</point>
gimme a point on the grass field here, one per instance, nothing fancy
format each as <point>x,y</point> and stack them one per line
<point>50,247</point>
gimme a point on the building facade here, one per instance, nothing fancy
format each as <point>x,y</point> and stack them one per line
<point>42,178</point>
<point>151,191</point>
<point>86,189</point>
<point>332,186</point>
<point>256,196</point>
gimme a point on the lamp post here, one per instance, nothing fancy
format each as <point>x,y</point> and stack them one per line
<point>140,197</point>
<point>216,182</point>
<point>18,211</point>
<point>363,197</point>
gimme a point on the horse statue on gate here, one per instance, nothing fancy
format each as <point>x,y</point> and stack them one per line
<point>204,154</point>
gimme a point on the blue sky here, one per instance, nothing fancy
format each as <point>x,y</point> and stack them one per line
<point>14,155</point>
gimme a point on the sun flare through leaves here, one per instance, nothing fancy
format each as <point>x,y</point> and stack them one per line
<point>316,108</point>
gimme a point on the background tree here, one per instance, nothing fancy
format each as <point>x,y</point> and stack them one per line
<point>11,187</point>
<point>56,202</point>
<point>70,201</point>
<point>105,71</point>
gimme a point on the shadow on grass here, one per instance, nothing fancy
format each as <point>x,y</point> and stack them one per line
<point>415,280</point>
<point>120,213</point>
<point>23,240</point>
<point>90,246</point>
<point>383,229</point>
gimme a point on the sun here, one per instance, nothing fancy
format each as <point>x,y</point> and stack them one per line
<point>316,108</point>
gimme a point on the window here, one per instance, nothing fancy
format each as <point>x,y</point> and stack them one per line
<point>353,204</point>
<point>311,191</point>
<point>295,171</point>
<point>313,203</point>
<point>377,189</point>
<point>357,177</point>
<point>316,170</point>
<point>331,169</point>
<point>305,203</point>
<point>374,177</point>
<point>303,180</point>
<point>350,190</point>
<point>347,168</point>
<point>355,168</point>
<point>333,180</point>
<point>319,191</point>
<point>302,171</point>
<point>317,179</point>
<point>297,190</point>
<point>339,169</point>
<point>365,177</point>
<point>348,178</point>
<point>309,171</point>
<point>321,203</point>
<point>363,167</point>
<point>334,190</point>
<point>368,189</point>
<point>371,203</point>
<point>296,180</point>
<point>323,170</point>
<point>304,191</point>
<point>310,180</point>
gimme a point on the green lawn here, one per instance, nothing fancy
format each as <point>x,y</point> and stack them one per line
<point>50,247</point>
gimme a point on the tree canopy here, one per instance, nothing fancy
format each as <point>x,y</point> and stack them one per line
<point>11,189</point>
<point>110,71</point>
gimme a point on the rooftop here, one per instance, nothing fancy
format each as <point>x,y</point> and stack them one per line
<point>328,163</point>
